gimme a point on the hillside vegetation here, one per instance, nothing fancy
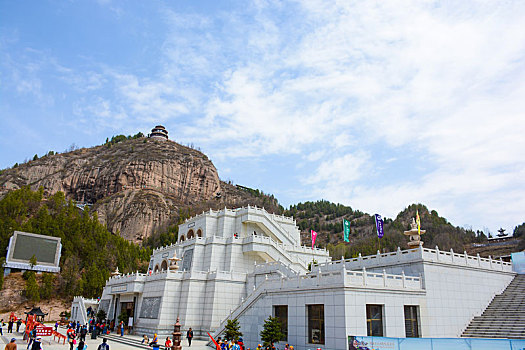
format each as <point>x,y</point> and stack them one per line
<point>327,219</point>
<point>89,251</point>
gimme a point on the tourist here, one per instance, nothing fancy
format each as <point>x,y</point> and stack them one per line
<point>189,335</point>
<point>18,324</point>
<point>83,333</point>
<point>70,337</point>
<point>56,326</point>
<point>11,345</point>
<point>104,345</point>
<point>241,343</point>
<point>236,345</point>
<point>145,339</point>
<point>2,326</point>
<point>32,336</point>
<point>37,344</point>
<point>81,345</point>
<point>154,341</point>
<point>10,326</point>
<point>167,343</point>
<point>121,328</point>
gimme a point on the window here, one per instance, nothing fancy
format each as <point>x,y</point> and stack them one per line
<point>411,321</point>
<point>281,312</point>
<point>315,324</point>
<point>374,320</point>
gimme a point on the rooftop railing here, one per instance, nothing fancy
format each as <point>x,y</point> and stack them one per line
<point>420,254</point>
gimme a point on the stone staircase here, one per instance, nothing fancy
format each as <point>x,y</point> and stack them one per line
<point>131,341</point>
<point>505,315</point>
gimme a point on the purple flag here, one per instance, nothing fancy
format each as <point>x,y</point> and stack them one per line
<point>379,226</point>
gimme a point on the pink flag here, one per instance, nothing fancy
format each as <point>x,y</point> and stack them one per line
<point>314,236</point>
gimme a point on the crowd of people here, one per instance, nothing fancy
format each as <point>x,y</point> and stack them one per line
<point>239,345</point>
<point>10,326</point>
<point>76,337</point>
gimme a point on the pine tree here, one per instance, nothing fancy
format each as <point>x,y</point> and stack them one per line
<point>32,291</point>
<point>2,261</point>
<point>32,261</point>
<point>271,332</point>
<point>47,288</point>
<point>232,330</point>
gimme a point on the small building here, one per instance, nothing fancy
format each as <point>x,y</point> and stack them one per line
<point>37,313</point>
<point>159,132</point>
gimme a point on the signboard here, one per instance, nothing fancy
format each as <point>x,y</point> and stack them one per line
<point>23,245</point>
<point>44,331</point>
<point>518,262</point>
<point>119,288</point>
<point>386,343</point>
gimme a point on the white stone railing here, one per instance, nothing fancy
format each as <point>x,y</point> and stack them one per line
<point>418,254</point>
<point>465,260</point>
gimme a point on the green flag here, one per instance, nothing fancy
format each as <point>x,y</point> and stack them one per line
<point>346,230</point>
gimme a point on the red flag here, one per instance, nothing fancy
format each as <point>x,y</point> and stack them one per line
<point>314,236</point>
<point>214,342</point>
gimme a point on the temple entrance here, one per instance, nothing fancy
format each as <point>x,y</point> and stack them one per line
<point>127,313</point>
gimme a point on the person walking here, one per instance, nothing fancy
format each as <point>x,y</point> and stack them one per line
<point>11,345</point>
<point>10,326</point>
<point>18,324</point>
<point>189,335</point>
<point>32,337</point>
<point>2,326</point>
<point>81,345</point>
<point>37,344</point>
<point>83,333</point>
<point>104,345</point>
<point>70,337</point>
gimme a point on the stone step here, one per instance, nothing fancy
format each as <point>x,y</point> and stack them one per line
<point>131,341</point>
<point>504,317</point>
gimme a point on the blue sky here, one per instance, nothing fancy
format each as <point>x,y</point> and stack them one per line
<point>375,105</point>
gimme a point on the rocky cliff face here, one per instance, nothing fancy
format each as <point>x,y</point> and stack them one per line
<point>134,186</point>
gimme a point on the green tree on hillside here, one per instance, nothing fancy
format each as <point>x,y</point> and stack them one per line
<point>47,288</point>
<point>89,250</point>
<point>32,290</point>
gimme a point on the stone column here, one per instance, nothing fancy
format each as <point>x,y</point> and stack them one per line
<point>176,336</point>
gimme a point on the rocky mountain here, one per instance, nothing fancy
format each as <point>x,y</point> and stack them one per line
<point>136,186</point>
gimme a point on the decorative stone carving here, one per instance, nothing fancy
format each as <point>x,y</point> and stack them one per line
<point>415,237</point>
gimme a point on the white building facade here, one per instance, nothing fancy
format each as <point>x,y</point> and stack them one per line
<point>248,264</point>
<point>225,254</point>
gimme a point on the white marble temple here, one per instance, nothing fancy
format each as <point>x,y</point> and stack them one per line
<point>241,263</point>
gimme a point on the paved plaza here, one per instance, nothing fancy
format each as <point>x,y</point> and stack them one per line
<point>49,344</point>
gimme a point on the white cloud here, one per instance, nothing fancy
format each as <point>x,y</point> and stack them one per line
<point>437,87</point>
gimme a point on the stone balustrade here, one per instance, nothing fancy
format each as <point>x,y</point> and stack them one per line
<point>417,254</point>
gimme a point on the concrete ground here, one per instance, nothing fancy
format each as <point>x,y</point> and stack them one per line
<point>49,344</point>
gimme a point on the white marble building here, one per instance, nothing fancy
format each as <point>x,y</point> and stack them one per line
<point>248,264</point>
<point>224,255</point>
